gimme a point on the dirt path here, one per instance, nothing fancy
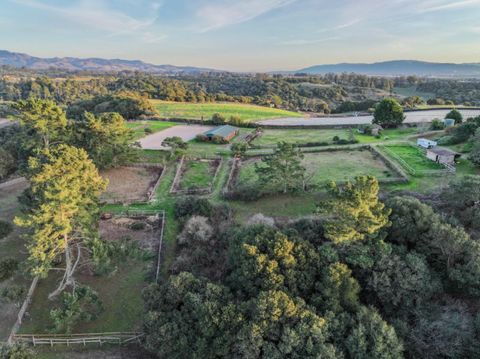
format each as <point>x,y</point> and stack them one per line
<point>185,132</point>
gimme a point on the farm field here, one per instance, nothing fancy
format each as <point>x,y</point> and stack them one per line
<point>413,157</point>
<point>197,174</point>
<point>248,113</point>
<point>129,183</point>
<point>139,127</point>
<point>329,166</point>
<point>270,137</point>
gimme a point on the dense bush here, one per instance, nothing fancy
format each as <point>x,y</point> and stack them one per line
<point>5,229</point>
<point>8,266</point>
<point>190,206</point>
<point>455,115</point>
<point>16,351</point>
<point>437,125</point>
<point>82,305</point>
<point>12,294</point>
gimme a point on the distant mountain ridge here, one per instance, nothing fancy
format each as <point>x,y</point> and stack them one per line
<point>19,60</point>
<point>400,68</point>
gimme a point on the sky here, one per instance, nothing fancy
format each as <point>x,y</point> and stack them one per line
<point>244,35</point>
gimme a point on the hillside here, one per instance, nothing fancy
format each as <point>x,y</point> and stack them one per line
<point>18,60</point>
<point>400,68</point>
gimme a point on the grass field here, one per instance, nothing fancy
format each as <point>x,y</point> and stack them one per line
<point>327,166</point>
<point>394,134</point>
<point>139,127</point>
<point>248,113</point>
<point>119,292</point>
<point>413,157</point>
<point>197,174</point>
<point>271,137</point>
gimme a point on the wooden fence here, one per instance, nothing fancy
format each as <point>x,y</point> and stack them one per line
<point>119,338</point>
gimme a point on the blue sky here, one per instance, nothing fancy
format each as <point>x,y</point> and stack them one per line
<point>247,35</point>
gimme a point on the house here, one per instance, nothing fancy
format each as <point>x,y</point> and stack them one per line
<point>442,155</point>
<point>226,133</point>
<point>426,143</point>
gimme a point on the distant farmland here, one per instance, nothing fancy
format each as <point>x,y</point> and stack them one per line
<point>206,110</point>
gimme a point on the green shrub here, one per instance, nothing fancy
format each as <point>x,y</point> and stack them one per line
<point>218,119</point>
<point>138,226</point>
<point>336,138</point>
<point>12,294</point>
<point>83,305</point>
<point>148,130</point>
<point>8,267</point>
<point>189,206</point>
<point>437,125</point>
<point>5,229</point>
<point>201,137</point>
<point>16,351</point>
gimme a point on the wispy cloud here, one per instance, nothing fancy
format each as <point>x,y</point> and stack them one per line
<point>300,42</point>
<point>219,15</point>
<point>432,6</point>
<point>96,15</point>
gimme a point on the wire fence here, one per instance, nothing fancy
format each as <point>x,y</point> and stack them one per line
<point>119,338</point>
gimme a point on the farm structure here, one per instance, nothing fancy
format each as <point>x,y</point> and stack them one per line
<point>226,133</point>
<point>442,155</point>
<point>426,143</point>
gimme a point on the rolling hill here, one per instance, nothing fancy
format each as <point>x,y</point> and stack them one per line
<point>20,60</point>
<point>400,68</point>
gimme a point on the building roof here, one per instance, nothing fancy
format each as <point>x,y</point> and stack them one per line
<point>442,151</point>
<point>222,131</point>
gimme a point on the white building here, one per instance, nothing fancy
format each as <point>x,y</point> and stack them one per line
<point>426,143</point>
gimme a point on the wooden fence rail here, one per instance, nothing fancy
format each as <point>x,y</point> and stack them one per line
<point>119,338</point>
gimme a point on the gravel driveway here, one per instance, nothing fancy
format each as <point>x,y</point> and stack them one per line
<point>411,117</point>
<point>185,132</point>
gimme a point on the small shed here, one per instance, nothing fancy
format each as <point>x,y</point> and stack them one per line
<point>442,155</point>
<point>226,132</point>
<point>426,143</point>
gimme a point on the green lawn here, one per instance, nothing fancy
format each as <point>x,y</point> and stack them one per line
<point>394,134</point>
<point>139,127</point>
<point>197,174</point>
<point>327,166</point>
<point>205,111</point>
<point>120,293</point>
<point>270,137</point>
<point>413,157</point>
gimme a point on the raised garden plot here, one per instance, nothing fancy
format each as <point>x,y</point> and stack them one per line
<point>270,137</point>
<point>195,176</point>
<point>412,159</point>
<point>327,165</point>
<point>131,184</point>
<point>120,291</point>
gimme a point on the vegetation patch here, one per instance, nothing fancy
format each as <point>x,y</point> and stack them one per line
<point>321,167</point>
<point>195,176</point>
<point>412,158</point>
<point>131,184</point>
<point>301,137</point>
<point>115,286</point>
<point>145,128</point>
<point>205,111</point>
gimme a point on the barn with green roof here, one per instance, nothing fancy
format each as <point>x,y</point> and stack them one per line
<point>226,133</point>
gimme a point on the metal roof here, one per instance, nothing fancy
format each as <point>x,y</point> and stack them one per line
<point>222,131</point>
